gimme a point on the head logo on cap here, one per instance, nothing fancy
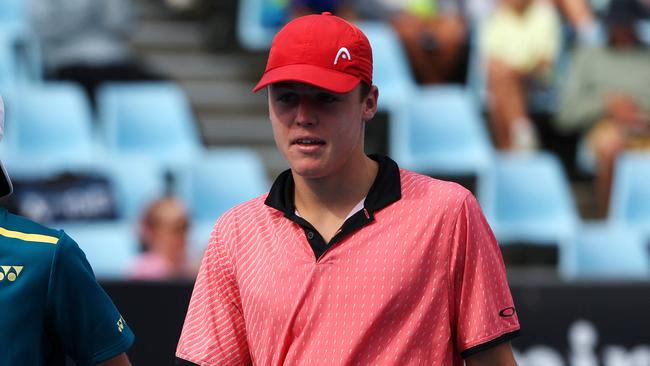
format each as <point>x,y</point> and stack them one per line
<point>344,54</point>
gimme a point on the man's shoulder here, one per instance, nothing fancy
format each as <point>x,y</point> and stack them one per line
<point>16,227</point>
<point>416,184</point>
<point>249,210</point>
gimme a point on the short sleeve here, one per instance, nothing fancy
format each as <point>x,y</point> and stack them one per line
<point>484,312</point>
<point>80,313</point>
<point>214,332</point>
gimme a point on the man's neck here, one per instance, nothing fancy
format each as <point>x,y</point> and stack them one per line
<point>326,202</point>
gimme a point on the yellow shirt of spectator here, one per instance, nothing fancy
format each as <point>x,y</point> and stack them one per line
<point>427,8</point>
<point>522,40</point>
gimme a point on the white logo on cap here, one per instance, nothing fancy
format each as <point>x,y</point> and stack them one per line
<point>344,53</point>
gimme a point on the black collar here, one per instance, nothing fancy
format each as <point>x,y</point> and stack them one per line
<point>385,189</point>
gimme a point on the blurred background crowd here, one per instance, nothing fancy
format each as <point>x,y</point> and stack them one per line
<point>130,124</point>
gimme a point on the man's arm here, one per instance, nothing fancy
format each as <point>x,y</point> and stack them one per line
<point>119,360</point>
<point>500,355</point>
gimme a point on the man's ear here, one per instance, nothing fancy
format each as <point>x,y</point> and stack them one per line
<point>370,104</point>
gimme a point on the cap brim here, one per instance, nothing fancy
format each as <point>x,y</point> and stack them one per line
<point>328,79</point>
<point>5,183</point>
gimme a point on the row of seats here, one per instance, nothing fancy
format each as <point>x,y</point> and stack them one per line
<point>527,199</point>
<point>52,123</point>
<point>142,132</point>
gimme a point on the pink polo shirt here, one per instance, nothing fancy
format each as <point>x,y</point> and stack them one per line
<point>416,278</point>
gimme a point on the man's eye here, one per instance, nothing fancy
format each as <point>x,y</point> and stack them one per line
<point>327,98</point>
<point>287,98</point>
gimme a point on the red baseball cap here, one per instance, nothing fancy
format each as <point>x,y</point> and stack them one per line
<point>321,50</point>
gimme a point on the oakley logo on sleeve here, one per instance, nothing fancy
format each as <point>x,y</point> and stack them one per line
<point>344,54</point>
<point>10,273</point>
<point>507,312</point>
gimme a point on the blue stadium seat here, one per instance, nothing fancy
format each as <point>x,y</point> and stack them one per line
<point>150,119</point>
<point>643,29</point>
<point>605,252</point>
<point>630,198</point>
<point>110,247</point>
<point>527,199</point>
<point>199,237</point>
<point>49,126</point>
<point>215,182</point>
<point>13,16</point>
<point>391,69</point>
<point>443,133</point>
<point>220,179</point>
<point>137,182</point>
<point>476,73</point>
<point>7,66</point>
<point>259,21</point>
<point>16,30</point>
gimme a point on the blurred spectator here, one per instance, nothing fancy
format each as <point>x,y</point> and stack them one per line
<point>164,235</point>
<point>434,34</point>
<point>520,41</point>
<point>578,13</point>
<point>86,41</point>
<point>607,94</point>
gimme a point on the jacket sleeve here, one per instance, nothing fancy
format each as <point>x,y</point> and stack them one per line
<point>80,314</point>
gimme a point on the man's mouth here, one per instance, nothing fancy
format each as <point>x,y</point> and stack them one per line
<point>308,141</point>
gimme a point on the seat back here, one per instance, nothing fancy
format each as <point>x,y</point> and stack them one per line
<point>259,21</point>
<point>391,69</point>
<point>605,252</point>
<point>527,197</point>
<point>221,179</point>
<point>630,198</point>
<point>7,65</point>
<point>442,133</point>
<point>148,118</point>
<point>110,247</point>
<point>137,182</point>
<point>50,124</point>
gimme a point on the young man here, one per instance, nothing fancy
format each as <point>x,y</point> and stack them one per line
<point>52,305</point>
<point>348,260</point>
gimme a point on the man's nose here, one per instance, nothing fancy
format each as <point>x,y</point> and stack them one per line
<point>305,115</point>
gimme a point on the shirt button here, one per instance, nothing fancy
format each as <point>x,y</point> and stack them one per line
<point>310,235</point>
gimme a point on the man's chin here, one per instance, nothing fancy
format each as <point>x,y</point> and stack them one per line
<point>308,171</point>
